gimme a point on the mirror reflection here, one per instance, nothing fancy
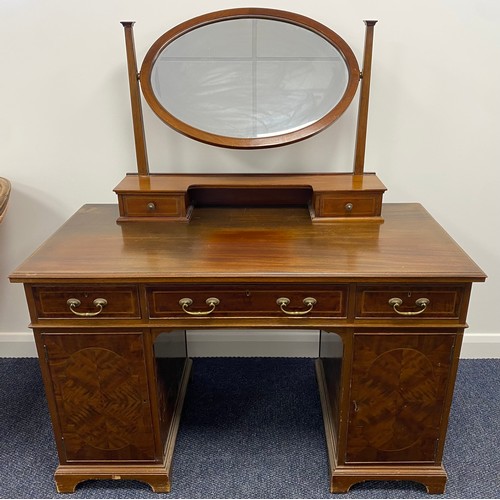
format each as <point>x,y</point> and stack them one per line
<point>249,78</point>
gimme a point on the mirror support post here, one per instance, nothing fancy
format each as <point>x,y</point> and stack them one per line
<point>359,159</point>
<point>135,99</point>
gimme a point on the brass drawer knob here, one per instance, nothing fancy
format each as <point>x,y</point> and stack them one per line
<point>309,302</point>
<point>211,302</point>
<point>99,303</point>
<point>348,207</point>
<point>422,303</point>
<point>151,206</point>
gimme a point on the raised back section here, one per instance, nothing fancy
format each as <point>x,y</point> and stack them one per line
<point>328,197</point>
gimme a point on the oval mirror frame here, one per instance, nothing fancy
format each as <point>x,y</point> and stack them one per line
<point>278,139</point>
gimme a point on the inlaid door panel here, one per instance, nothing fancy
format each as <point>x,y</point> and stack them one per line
<point>100,389</point>
<point>398,392</point>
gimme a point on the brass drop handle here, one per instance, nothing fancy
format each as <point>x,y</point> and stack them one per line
<point>99,303</point>
<point>309,302</point>
<point>396,302</point>
<point>211,302</point>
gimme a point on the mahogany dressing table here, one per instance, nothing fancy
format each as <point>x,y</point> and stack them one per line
<point>385,285</point>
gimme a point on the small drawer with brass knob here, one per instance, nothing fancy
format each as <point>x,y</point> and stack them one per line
<point>348,205</point>
<point>153,206</point>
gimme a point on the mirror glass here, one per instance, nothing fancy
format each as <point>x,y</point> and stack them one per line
<point>249,82</point>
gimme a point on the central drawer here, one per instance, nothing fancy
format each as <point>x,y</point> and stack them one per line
<point>220,301</point>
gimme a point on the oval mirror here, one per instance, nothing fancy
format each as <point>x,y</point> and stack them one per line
<point>249,78</point>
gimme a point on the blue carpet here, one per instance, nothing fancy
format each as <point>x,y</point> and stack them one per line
<point>251,428</point>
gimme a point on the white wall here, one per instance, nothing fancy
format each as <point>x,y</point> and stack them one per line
<point>434,132</point>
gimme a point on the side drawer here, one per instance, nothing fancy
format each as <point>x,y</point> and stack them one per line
<point>87,302</point>
<point>396,301</point>
<point>152,206</point>
<point>247,301</point>
<point>348,204</point>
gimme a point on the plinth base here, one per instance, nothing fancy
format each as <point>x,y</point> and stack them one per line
<point>343,477</point>
<point>157,476</point>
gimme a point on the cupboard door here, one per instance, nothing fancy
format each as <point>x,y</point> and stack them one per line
<point>101,396</point>
<point>398,397</point>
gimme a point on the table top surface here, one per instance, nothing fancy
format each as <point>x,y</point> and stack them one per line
<point>249,244</point>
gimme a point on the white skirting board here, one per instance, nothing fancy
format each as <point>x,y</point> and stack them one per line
<point>273,343</point>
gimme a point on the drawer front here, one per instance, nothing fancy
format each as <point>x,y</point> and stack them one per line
<point>409,301</point>
<point>247,301</point>
<point>86,302</point>
<point>153,206</point>
<point>349,204</point>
